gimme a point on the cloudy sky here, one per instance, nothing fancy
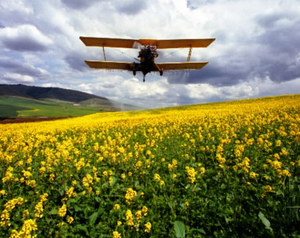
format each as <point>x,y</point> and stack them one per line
<point>256,52</point>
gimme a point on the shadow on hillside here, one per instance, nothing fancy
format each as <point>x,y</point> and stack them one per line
<point>7,111</point>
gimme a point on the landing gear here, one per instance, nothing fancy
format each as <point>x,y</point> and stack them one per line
<point>161,73</point>
<point>134,68</point>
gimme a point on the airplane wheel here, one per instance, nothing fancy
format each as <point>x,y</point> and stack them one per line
<point>134,72</point>
<point>161,73</point>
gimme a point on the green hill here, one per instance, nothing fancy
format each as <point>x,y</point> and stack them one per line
<point>28,101</point>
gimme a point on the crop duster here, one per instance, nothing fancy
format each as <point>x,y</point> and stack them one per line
<point>147,54</point>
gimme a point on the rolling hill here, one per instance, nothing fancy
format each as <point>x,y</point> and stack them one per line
<point>33,92</point>
<point>21,101</point>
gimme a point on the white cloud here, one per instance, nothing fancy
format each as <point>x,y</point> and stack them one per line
<point>252,48</point>
<point>16,78</point>
<point>24,38</point>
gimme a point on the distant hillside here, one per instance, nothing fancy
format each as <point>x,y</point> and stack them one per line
<point>29,103</point>
<point>33,92</point>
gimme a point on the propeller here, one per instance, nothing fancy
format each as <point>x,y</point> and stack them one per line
<point>136,45</point>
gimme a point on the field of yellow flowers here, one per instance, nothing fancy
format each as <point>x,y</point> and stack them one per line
<point>228,169</point>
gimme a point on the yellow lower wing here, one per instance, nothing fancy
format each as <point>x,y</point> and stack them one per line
<point>181,66</point>
<point>110,65</point>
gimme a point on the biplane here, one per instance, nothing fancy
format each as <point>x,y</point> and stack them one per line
<point>147,54</point>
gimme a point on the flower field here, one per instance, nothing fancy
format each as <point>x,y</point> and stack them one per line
<point>214,170</point>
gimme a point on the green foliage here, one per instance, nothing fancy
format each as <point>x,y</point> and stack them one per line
<point>179,229</point>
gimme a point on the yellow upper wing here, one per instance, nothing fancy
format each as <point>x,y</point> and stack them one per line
<point>179,43</point>
<point>109,65</point>
<point>181,66</point>
<point>108,42</point>
<point>160,44</point>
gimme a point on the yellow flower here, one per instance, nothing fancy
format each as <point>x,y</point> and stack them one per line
<point>286,173</point>
<point>42,170</point>
<point>70,191</point>
<point>191,172</point>
<point>28,226</point>
<point>276,164</point>
<point>10,205</point>
<point>38,209</point>
<point>116,234</point>
<point>62,210</point>
<point>51,177</point>
<point>144,210</point>
<point>26,174</point>
<point>278,143</point>
<point>117,207</point>
<point>31,183</point>
<point>157,177</point>
<point>105,173</point>
<point>147,227</point>
<point>268,188</point>
<point>5,217</point>
<point>70,219</point>
<point>138,214</point>
<point>130,194</point>
<point>253,175</point>
<point>138,164</point>
<point>202,170</point>
<point>129,218</point>
<point>43,197</point>
<point>284,151</point>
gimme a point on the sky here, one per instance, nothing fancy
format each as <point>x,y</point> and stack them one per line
<point>256,52</point>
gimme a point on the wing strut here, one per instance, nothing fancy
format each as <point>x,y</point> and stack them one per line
<point>189,55</point>
<point>104,53</point>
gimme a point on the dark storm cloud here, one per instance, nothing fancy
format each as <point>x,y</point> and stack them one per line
<point>24,38</point>
<point>281,41</point>
<point>79,4</point>
<point>131,7</point>
<point>11,66</point>
<point>24,43</point>
<point>215,73</point>
<point>275,54</point>
<point>195,4</point>
<point>76,61</point>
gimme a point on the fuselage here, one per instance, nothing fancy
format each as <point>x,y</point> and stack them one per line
<point>147,57</point>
